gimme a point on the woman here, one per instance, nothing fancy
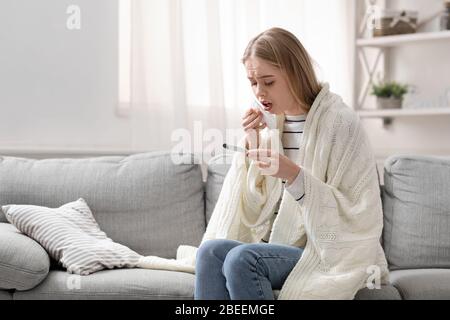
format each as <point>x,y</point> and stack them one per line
<point>302,212</point>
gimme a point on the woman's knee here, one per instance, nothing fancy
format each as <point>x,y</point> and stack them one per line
<point>239,260</point>
<point>215,248</point>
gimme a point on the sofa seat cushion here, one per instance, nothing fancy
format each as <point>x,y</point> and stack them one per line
<point>115,284</point>
<point>5,295</point>
<point>386,292</point>
<point>422,284</point>
<point>23,262</point>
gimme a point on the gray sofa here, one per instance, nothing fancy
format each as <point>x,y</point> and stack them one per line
<point>152,205</point>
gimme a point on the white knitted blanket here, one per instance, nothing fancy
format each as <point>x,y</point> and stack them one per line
<point>339,222</point>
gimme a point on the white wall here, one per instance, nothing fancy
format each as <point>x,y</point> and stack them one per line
<point>426,66</point>
<point>58,88</point>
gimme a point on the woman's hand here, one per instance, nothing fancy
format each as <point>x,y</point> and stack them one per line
<point>274,164</point>
<point>252,123</point>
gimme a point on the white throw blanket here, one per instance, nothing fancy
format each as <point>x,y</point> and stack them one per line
<point>339,223</point>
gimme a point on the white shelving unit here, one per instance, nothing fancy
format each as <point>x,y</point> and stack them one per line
<point>380,48</point>
<point>403,112</point>
<point>388,115</point>
<point>398,40</point>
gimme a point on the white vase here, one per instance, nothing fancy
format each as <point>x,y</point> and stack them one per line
<point>389,103</point>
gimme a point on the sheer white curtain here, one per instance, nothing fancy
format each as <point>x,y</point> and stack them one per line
<point>180,61</point>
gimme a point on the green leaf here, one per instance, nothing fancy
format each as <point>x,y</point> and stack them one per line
<point>389,89</point>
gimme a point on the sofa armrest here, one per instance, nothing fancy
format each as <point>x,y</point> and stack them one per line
<point>23,262</point>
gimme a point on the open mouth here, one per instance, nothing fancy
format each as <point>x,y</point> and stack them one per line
<point>267,106</point>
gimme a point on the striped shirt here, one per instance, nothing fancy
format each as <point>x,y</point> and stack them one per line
<point>291,138</point>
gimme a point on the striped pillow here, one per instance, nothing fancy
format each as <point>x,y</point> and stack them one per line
<point>71,236</point>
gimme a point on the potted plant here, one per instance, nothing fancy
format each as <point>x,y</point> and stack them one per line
<point>389,94</point>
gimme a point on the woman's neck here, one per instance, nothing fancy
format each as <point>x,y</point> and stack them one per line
<point>298,111</point>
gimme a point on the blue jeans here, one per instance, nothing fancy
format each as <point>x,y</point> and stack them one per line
<point>227,269</point>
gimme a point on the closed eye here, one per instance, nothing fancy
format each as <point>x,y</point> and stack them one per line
<point>267,84</point>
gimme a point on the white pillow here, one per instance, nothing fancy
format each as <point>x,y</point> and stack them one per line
<point>71,236</point>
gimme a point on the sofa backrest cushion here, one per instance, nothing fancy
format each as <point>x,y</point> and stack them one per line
<point>218,167</point>
<point>143,201</point>
<point>416,204</point>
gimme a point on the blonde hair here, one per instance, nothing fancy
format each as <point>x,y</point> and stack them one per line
<point>283,50</point>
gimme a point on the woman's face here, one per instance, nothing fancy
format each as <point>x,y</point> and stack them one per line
<point>270,86</point>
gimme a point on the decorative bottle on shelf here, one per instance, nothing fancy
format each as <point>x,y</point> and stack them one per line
<point>445,16</point>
